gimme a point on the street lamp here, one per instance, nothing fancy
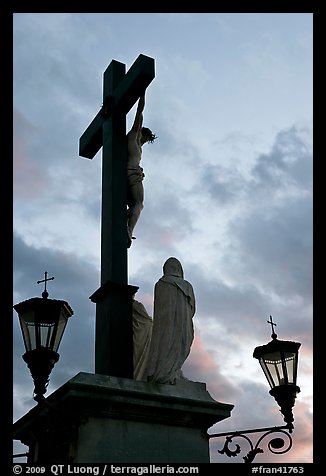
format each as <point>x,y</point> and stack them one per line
<point>279,361</point>
<point>42,322</point>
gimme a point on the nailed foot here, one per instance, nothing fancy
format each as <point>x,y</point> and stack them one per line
<point>129,237</point>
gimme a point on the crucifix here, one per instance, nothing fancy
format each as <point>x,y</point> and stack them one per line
<point>114,335</point>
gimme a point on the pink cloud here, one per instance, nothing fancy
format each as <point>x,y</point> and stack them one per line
<point>202,367</point>
<point>28,179</point>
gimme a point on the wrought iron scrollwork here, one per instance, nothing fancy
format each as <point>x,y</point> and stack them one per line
<point>275,445</point>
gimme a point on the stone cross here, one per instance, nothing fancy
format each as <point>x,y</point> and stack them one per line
<point>121,90</point>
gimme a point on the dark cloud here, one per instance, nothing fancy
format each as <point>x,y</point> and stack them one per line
<point>284,235</point>
<point>272,240</point>
<point>222,184</point>
<point>289,163</point>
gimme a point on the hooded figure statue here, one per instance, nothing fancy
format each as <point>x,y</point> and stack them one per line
<point>173,331</point>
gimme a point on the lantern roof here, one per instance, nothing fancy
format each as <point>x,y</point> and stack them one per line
<point>276,345</point>
<point>37,302</point>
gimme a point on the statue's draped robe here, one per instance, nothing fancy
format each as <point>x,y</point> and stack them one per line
<point>142,332</point>
<point>173,332</point>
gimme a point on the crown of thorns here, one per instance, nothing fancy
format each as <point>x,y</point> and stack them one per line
<point>148,133</point>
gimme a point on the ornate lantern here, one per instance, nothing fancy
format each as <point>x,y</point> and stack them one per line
<point>42,322</point>
<point>279,361</point>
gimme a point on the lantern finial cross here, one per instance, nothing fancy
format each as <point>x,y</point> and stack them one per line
<point>45,294</point>
<point>272,324</point>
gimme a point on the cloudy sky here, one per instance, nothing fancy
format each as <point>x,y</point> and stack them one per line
<point>228,191</point>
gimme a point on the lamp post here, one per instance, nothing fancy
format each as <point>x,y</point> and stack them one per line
<point>42,322</point>
<point>279,361</point>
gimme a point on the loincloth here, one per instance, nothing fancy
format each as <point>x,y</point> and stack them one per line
<point>135,175</point>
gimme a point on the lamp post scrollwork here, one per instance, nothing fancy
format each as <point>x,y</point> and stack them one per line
<point>275,445</point>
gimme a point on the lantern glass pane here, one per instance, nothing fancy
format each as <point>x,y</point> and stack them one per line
<point>266,372</point>
<point>27,323</point>
<point>61,327</point>
<point>46,333</point>
<point>289,358</point>
<point>273,363</point>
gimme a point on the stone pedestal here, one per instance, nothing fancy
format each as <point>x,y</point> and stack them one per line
<point>96,418</point>
<point>113,326</point>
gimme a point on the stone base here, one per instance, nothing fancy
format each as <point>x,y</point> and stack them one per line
<point>96,418</point>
